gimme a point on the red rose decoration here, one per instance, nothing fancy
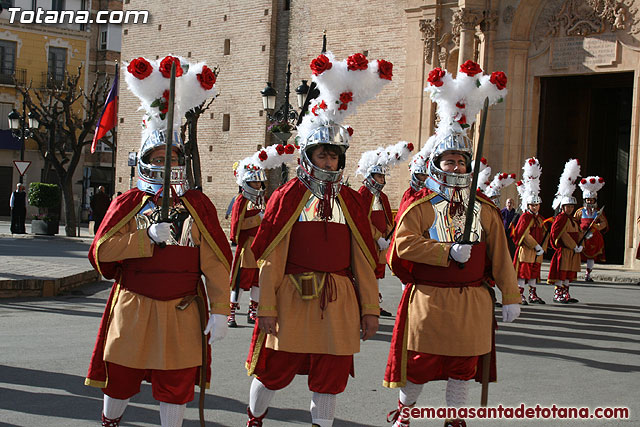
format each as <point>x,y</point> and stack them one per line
<point>513,175</point>
<point>322,105</point>
<point>483,160</point>
<point>435,77</point>
<point>165,94</point>
<point>263,155</point>
<point>140,68</point>
<point>463,120</point>
<point>350,131</point>
<point>583,181</point>
<point>207,78</point>
<point>346,97</point>
<point>289,149</point>
<point>470,68</point>
<point>460,105</point>
<point>519,183</point>
<point>385,69</point>
<point>165,66</point>
<point>313,110</point>
<point>342,107</point>
<point>320,65</point>
<point>357,61</point>
<point>532,161</point>
<point>410,146</point>
<point>600,179</point>
<point>592,180</point>
<point>499,79</point>
<point>280,149</point>
<point>503,176</point>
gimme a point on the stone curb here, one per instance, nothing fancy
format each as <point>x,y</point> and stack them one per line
<point>42,236</point>
<point>45,287</point>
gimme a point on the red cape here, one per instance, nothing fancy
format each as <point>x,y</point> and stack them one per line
<point>284,207</point>
<point>120,213</point>
<point>367,199</point>
<point>239,237</point>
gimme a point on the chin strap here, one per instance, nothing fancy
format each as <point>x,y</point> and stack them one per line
<point>325,207</point>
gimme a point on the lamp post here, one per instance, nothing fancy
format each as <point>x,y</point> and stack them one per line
<point>285,118</point>
<point>19,128</point>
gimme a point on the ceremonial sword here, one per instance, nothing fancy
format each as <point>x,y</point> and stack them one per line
<point>584,236</point>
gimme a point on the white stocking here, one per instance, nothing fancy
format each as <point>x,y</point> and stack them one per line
<point>235,295</point>
<point>521,283</point>
<point>531,282</point>
<point>113,408</point>
<point>457,391</point>
<point>409,393</point>
<point>171,415</point>
<point>590,263</point>
<point>323,408</point>
<point>259,398</point>
<point>255,293</point>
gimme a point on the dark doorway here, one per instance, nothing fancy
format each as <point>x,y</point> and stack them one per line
<point>6,187</point>
<point>588,118</point>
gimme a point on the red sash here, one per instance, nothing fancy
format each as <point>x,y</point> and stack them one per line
<point>172,272</point>
<point>319,246</point>
<point>453,276</point>
<point>379,221</point>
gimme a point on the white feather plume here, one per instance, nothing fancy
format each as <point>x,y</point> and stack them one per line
<point>385,157</point>
<point>273,160</point>
<point>590,186</point>
<point>567,184</point>
<point>420,159</point>
<point>530,183</point>
<point>500,181</point>
<point>483,175</point>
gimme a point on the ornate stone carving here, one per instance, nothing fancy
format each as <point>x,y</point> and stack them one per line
<point>464,19</point>
<point>507,14</point>
<point>429,29</point>
<point>588,17</point>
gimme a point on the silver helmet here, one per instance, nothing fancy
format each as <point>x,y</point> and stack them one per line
<point>534,199</point>
<point>316,179</point>
<point>568,200</point>
<point>447,181</point>
<point>374,186</point>
<point>151,176</point>
<point>255,195</point>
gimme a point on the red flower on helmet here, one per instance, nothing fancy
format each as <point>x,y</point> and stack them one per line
<point>460,105</point>
<point>322,105</point>
<point>165,66</point>
<point>583,181</point>
<point>357,61</point>
<point>532,161</point>
<point>513,175</point>
<point>140,68</point>
<point>385,69</point>
<point>463,120</point>
<point>342,107</point>
<point>600,179</point>
<point>483,160</point>
<point>346,97</point>
<point>207,78</point>
<point>499,79</point>
<point>350,130</point>
<point>263,155</point>
<point>280,149</point>
<point>592,180</point>
<point>470,68</point>
<point>320,65</point>
<point>519,183</point>
<point>410,147</point>
<point>313,110</point>
<point>435,77</point>
<point>289,149</point>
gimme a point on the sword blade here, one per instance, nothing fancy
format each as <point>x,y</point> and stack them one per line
<point>166,187</point>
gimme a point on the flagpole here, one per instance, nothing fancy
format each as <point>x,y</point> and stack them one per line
<point>114,132</point>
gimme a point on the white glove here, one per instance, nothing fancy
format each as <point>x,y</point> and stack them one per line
<point>160,232</point>
<point>510,312</point>
<point>383,243</point>
<point>460,253</point>
<point>577,249</point>
<point>261,214</point>
<point>589,235</point>
<point>539,250</point>
<point>217,326</point>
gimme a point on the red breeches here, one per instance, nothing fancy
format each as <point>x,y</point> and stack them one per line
<point>424,367</point>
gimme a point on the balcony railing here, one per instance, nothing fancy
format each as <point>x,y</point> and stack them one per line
<point>51,81</point>
<point>7,76</point>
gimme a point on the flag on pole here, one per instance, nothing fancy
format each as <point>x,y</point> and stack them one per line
<point>109,116</point>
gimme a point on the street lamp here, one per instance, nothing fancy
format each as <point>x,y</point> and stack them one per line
<point>19,128</point>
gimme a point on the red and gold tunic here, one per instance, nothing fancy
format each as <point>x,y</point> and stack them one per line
<point>381,218</point>
<point>528,233</point>
<point>245,220</point>
<point>565,264</point>
<point>293,249</point>
<point>445,310</point>
<point>594,246</point>
<point>141,327</point>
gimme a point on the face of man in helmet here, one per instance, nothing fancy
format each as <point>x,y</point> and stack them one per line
<point>421,176</point>
<point>156,157</point>
<point>568,209</point>
<point>534,208</point>
<point>256,185</point>
<point>590,201</point>
<point>453,162</point>
<point>378,177</point>
<point>325,157</point>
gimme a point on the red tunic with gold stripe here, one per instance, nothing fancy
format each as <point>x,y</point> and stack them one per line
<point>565,263</point>
<point>141,327</point>
<point>381,217</point>
<point>245,220</point>
<point>594,246</point>
<point>529,232</point>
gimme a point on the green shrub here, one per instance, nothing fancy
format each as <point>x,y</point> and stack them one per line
<point>44,196</point>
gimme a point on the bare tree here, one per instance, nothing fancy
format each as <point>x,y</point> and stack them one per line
<point>68,115</point>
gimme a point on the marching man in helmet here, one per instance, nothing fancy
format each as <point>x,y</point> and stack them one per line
<point>246,215</point>
<point>313,245</point>
<point>154,323</point>
<point>593,222</point>
<point>530,234</point>
<point>565,236</point>
<point>431,339</point>
<point>374,165</point>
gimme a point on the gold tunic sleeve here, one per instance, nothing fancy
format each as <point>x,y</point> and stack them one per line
<point>271,277</point>
<point>365,279</point>
<point>501,266</point>
<point>127,242</point>
<point>410,242</point>
<point>567,241</point>
<point>215,273</point>
<point>602,223</point>
<point>251,222</point>
<point>529,241</point>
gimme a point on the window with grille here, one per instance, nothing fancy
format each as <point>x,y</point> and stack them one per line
<point>57,64</point>
<point>7,61</point>
<point>104,36</point>
<point>5,109</point>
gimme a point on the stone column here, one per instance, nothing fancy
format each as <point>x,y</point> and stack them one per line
<point>466,20</point>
